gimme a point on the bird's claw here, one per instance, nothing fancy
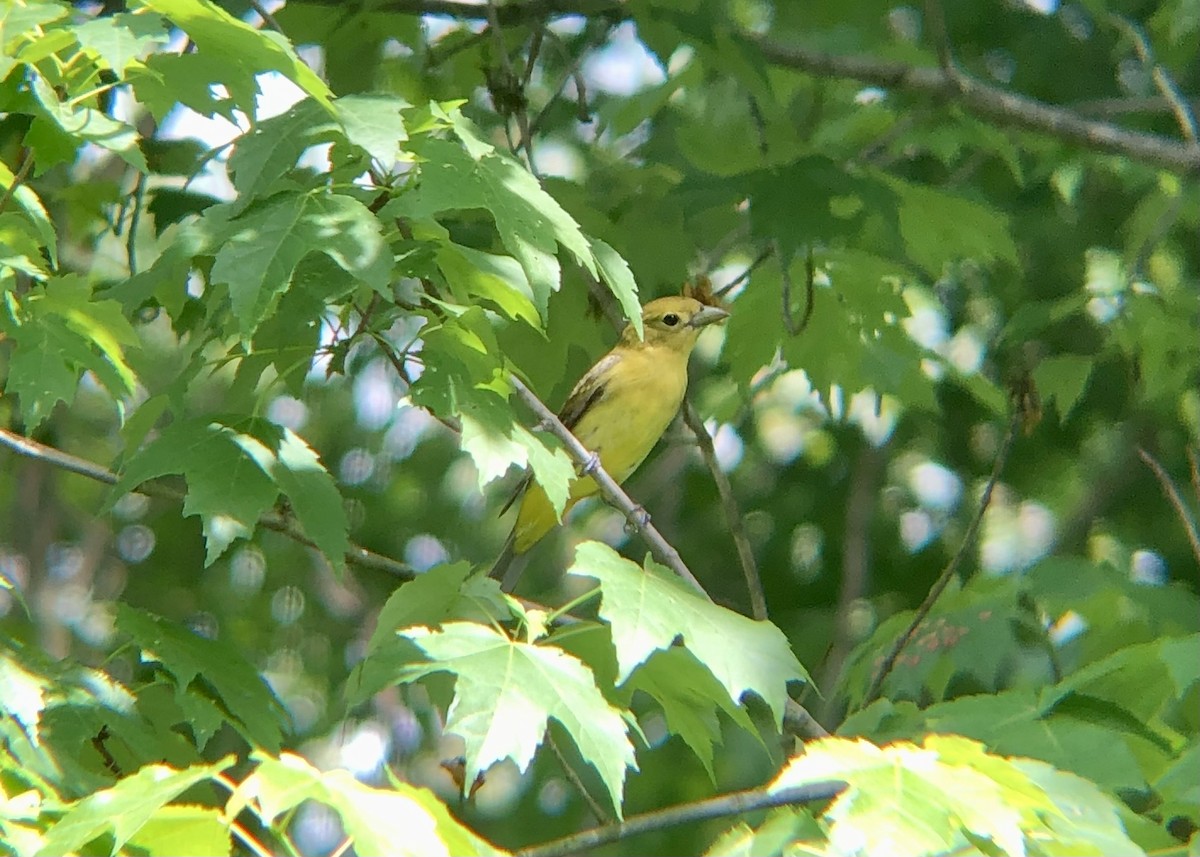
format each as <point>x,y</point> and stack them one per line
<point>592,463</point>
<point>636,520</point>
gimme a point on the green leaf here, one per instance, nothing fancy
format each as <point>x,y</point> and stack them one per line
<point>259,256</point>
<point>649,609</point>
<point>126,807</point>
<point>35,212</point>
<point>229,486</point>
<point>184,830</point>
<point>690,698</point>
<point>938,227</point>
<point>500,280</point>
<point>773,838</point>
<point>506,692</point>
<point>271,148</point>
<point>22,694</point>
<point>404,820</point>
<point>441,593</point>
<point>476,175</point>
<point>121,38</point>
<point>228,40</point>
<point>38,373</point>
<point>250,705</point>
<point>312,493</point>
<point>375,123</point>
<point>615,273</point>
<point>1064,379</point>
<point>950,794</point>
<point>87,124</point>
<point>1087,821</point>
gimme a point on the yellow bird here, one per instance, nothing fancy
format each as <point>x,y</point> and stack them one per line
<point>620,409</point>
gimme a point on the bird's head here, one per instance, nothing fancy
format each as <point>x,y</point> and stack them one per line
<point>674,322</point>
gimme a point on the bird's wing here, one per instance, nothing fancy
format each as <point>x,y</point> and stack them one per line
<point>586,393</point>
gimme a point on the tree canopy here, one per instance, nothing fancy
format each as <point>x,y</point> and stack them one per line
<point>291,292</point>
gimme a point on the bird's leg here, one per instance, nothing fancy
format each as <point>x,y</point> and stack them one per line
<point>637,519</point>
<point>589,466</point>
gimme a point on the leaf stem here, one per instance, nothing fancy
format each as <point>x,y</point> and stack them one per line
<point>572,604</point>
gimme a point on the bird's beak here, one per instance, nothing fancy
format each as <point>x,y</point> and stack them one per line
<point>708,315</point>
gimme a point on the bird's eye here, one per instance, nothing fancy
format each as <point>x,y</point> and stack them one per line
<point>670,319</point>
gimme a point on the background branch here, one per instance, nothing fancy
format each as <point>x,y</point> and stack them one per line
<point>1002,106</point>
<point>951,568</point>
<point>733,516</point>
<point>733,803</point>
<point>359,556</point>
<point>1176,500</point>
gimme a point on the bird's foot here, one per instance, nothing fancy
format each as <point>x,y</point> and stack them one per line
<point>589,467</point>
<point>636,520</point>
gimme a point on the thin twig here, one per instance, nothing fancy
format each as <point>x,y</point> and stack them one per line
<point>1124,106</point>
<point>856,565</point>
<point>135,218</point>
<point>1162,79</point>
<point>609,489</point>
<point>18,178</point>
<point>982,99</point>
<point>935,16</point>
<point>763,256</point>
<point>1194,466</point>
<point>510,79</point>
<point>793,327</point>
<point>572,73</point>
<point>267,17</point>
<point>885,667</point>
<point>359,556</point>
<point>733,517</point>
<point>602,815</point>
<point>1173,497</point>
<point>734,803</point>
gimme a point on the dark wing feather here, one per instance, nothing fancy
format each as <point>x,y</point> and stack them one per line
<point>587,392</point>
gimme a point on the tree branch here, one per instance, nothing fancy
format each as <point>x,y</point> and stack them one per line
<point>733,516</point>
<point>359,556</point>
<point>509,13</point>
<point>951,568</point>
<point>733,803</point>
<point>1172,494</point>
<point>982,99</point>
<point>609,489</point>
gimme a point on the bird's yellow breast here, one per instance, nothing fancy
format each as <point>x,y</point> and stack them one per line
<point>637,407</point>
<point>639,400</point>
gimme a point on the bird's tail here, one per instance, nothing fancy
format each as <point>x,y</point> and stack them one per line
<point>509,565</point>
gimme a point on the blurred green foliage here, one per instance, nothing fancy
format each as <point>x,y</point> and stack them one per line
<point>285,269</point>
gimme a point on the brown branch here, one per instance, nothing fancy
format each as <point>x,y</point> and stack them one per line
<point>1162,79</point>
<point>509,13</point>
<point>18,177</point>
<point>856,564</point>
<point>758,600</point>
<point>734,803</point>
<point>982,99</point>
<point>1132,105</point>
<point>951,568</point>
<point>609,489</point>
<point>1173,497</point>
<point>602,815</point>
<point>359,556</point>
